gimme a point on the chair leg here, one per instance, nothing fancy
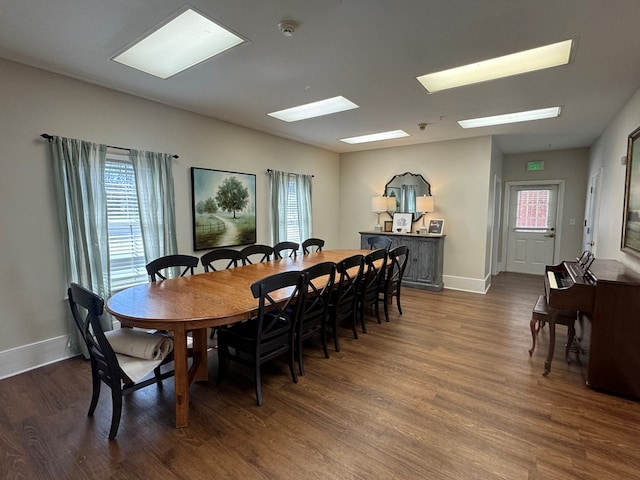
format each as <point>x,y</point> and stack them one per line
<point>157,373</point>
<point>398,301</point>
<point>292,367</point>
<point>258,380</point>
<point>377,310</point>
<point>299,354</point>
<point>95,395</point>
<point>386,306</point>
<point>363,323</point>
<point>323,339</point>
<point>116,397</point>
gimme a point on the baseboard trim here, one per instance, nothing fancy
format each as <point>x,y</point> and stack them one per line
<point>465,284</point>
<point>34,355</point>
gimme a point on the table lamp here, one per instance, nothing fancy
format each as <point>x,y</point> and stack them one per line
<point>424,204</point>
<point>378,205</point>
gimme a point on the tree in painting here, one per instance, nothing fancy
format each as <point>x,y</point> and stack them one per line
<point>232,195</point>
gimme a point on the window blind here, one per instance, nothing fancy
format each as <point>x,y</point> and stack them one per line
<point>126,249</point>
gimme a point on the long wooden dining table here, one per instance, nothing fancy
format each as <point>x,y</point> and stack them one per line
<point>195,303</point>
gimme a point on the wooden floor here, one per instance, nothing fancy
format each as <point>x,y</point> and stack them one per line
<point>445,391</point>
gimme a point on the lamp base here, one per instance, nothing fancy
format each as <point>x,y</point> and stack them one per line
<point>377,228</point>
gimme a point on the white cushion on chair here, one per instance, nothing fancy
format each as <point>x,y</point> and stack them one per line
<point>140,344</point>
<point>136,368</point>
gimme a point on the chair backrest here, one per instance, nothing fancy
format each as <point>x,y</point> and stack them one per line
<point>396,265</point>
<point>376,242</point>
<point>320,280</point>
<point>374,273</point>
<point>350,272</point>
<point>256,253</point>
<point>279,249</point>
<point>312,245</point>
<point>160,267</point>
<point>86,309</point>
<point>277,319</point>
<point>223,257</point>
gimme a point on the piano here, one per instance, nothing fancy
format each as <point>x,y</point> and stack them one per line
<point>608,294</point>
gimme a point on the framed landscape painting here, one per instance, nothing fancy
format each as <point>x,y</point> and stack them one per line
<point>224,208</point>
<point>631,220</point>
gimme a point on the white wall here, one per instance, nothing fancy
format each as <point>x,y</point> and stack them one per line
<point>570,165</point>
<point>606,153</point>
<point>459,174</point>
<point>34,315</point>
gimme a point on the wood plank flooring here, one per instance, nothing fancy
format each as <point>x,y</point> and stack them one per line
<point>445,391</point>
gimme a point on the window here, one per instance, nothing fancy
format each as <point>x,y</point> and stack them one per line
<point>292,218</point>
<point>532,211</point>
<point>126,249</point>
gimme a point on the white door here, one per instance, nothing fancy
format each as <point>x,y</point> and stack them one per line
<point>531,227</point>
<point>588,240</point>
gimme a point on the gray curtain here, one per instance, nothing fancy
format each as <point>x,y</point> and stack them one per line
<point>156,202</point>
<point>78,168</point>
<point>279,195</point>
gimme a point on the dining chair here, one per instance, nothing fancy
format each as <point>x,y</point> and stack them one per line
<point>376,242</point>
<point>271,333</point>
<point>116,369</point>
<point>312,245</point>
<point>320,279</point>
<point>165,267</point>
<point>368,288</point>
<point>342,308</point>
<point>280,249</point>
<point>223,258</point>
<point>256,253</point>
<point>391,286</point>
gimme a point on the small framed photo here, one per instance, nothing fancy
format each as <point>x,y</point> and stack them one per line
<point>436,226</point>
<point>388,226</point>
<point>402,222</point>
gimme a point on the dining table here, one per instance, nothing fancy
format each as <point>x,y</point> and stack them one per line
<point>192,304</point>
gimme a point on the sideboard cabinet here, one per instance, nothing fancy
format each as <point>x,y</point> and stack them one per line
<point>426,252</point>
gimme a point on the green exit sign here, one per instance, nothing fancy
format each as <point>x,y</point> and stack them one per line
<point>535,166</point>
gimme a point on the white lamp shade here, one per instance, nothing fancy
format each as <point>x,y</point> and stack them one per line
<point>424,204</point>
<point>379,204</point>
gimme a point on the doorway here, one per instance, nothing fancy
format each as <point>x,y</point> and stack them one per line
<point>533,213</point>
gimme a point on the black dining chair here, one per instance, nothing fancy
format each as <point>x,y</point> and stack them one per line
<point>221,259</point>
<point>256,253</point>
<point>376,242</point>
<point>165,267</point>
<point>312,245</point>
<point>392,283</point>
<point>320,279</point>
<point>369,286</point>
<point>342,308</point>
<point>271,333</point>
<point>86,309</point>
<point>280,249</point>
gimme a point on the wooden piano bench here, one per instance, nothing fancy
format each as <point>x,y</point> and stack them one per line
<point>542,314</point>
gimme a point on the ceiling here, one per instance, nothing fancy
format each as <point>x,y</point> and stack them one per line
<point>369,51</point>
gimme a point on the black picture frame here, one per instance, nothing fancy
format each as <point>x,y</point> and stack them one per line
<point>631,220</point>
<point>436,226</point>
<point>223,206</point>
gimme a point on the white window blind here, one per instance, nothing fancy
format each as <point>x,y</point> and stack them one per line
<point>126,250</point>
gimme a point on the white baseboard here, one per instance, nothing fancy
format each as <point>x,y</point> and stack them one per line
<point>27,357</point>
<point>466,284</point>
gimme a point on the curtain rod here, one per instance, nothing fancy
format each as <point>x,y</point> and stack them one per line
<point>269,170</point>
<point>49,137</point>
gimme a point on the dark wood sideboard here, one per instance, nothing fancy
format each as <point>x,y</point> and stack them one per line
<point>426,253</point>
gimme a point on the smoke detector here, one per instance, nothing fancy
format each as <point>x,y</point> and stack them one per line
<point>287,27</point>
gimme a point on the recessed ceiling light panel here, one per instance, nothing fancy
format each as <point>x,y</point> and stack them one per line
<point>511,118</point>
<point>181,43</point>
<point>516,63</point>
<point>314,109</point>
<point>375,137</point>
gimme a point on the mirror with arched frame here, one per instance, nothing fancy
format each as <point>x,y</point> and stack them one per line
<point>405,188</point>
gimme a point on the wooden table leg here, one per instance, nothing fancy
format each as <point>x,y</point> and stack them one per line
<point>534,333</point>
<point>552,341</point>
<point>200,364</point>
<point>181,377</point>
